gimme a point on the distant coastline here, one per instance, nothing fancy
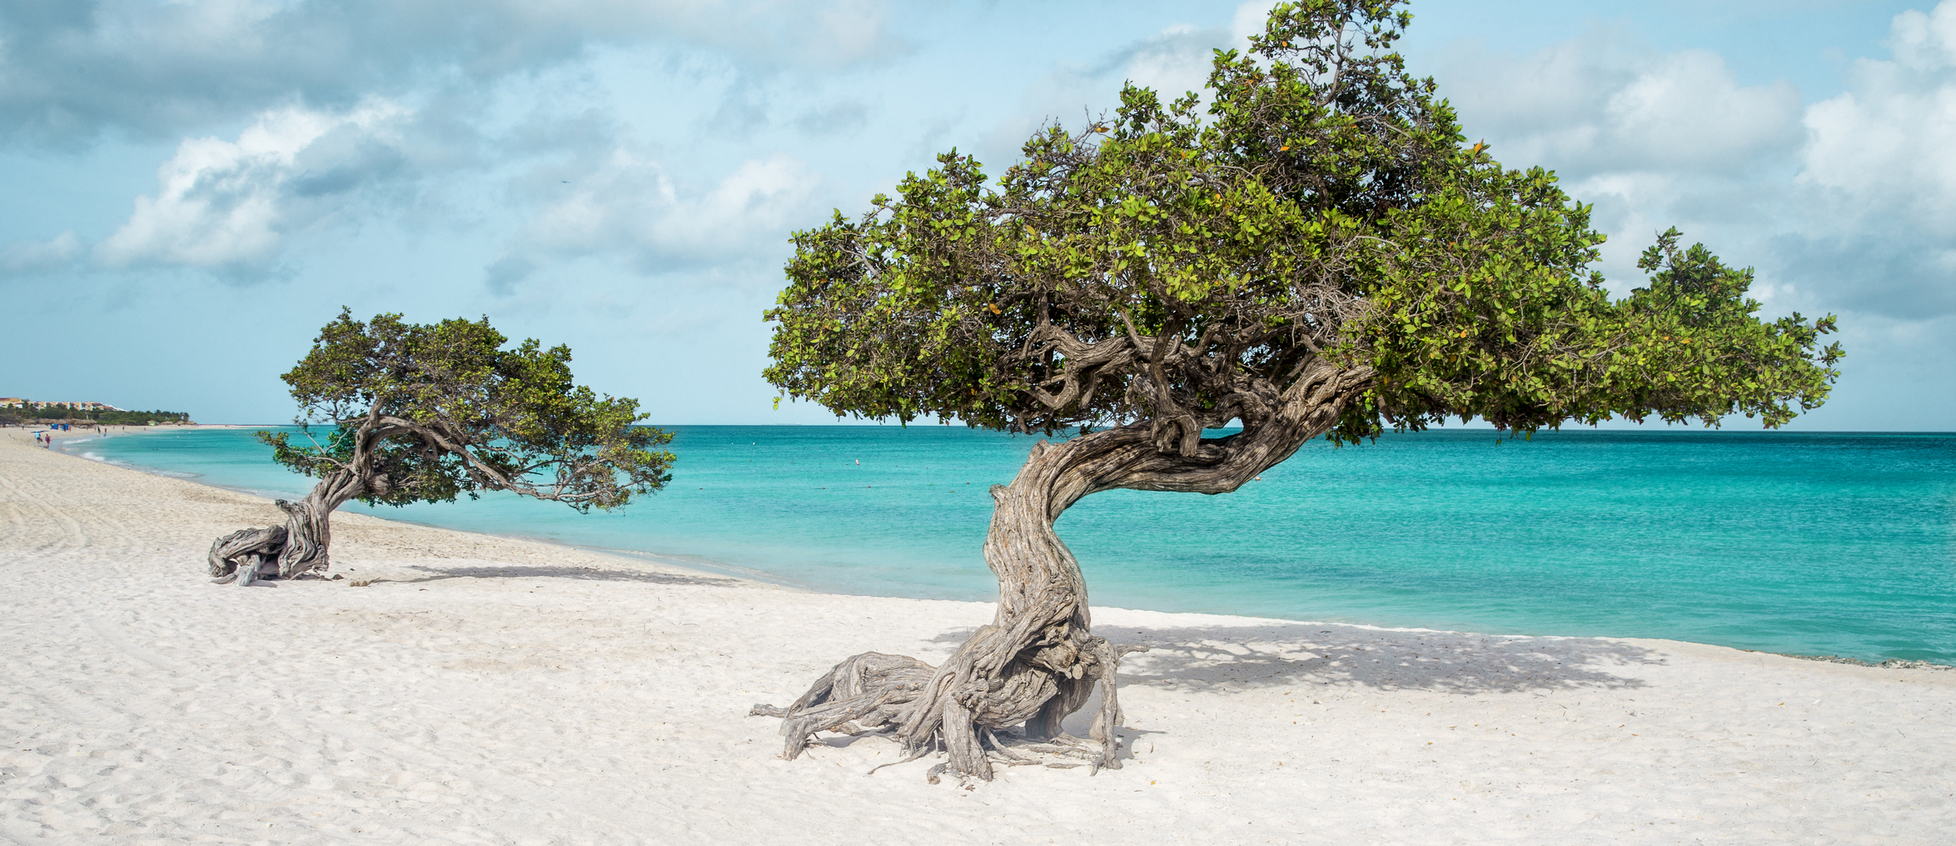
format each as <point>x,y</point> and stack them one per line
<point>18,411</point>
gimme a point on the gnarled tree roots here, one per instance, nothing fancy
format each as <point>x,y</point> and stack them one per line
<point>1037,662</point>
<point>274,552</point>
<point>990,703</point>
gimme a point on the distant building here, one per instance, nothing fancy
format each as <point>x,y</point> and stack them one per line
<point>17,402</point>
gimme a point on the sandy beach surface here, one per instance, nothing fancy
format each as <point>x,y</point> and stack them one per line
<point>488,690</point>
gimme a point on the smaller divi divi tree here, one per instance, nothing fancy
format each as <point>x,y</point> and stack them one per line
<point>423,413</point>
<point>1321,253</point>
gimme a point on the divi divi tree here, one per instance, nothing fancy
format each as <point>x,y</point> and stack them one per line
<point>424,413</point>
<point>1309,249</point>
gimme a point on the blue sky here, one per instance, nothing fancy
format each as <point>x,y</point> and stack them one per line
<point>194,187</point>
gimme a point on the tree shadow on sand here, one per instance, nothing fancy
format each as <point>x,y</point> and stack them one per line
<point>591,574</point>
<point>1255,657</point>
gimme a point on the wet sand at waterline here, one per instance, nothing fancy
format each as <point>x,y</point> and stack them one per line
<point>476,689</point>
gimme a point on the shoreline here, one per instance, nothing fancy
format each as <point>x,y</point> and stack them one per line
<point>486,690</point>
<point>703,568</point>
<point>712,568</point>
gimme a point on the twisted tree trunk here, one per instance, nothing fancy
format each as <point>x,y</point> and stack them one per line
<point>299,546</point>
<point>1038,661</point>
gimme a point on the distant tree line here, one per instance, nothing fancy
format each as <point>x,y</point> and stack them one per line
<point>20,415</point>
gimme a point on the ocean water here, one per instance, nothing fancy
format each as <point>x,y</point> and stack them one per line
<point>1815,544</point>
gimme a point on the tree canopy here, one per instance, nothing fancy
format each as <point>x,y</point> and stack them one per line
<point>1181,264</point>
<point>1310,247</point>
<point>423,413</point>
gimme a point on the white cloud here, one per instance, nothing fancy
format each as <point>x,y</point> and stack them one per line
<point>1925,41</point>
<point>1175,61</point>
<point>1879,179</point>
<point>1887,147</point>
<point>629,205</point>
<point>70,70</point>
<point>760,200</point>
<point>1846,205</point>
<point>1178,59</point>
<point>1249,20</point>
<point>27,256</point>
<point>226,204</point>
<point>1652,139</point>
<point>1689,113</point>
<point>846,32</point>
<point>1604,104</point>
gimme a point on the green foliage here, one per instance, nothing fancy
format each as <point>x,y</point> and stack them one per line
<point>1182,261</point>
<point>63,411</point>
<point>140,418</point>
<point>427,412</point>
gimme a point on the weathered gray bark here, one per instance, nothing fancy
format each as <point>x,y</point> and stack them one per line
<point>246,554</point>
<point>299,546</point>
<point>1038,661</point>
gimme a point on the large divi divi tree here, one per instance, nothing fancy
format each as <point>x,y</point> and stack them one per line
<point>1309,249</point>
<point>423,413</point>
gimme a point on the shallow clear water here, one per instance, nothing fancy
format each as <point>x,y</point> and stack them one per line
<point>1839,544</point>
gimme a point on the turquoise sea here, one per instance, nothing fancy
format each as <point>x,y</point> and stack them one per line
<point>1814,544</point>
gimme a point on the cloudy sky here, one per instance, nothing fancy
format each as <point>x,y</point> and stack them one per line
<point>193,187</point>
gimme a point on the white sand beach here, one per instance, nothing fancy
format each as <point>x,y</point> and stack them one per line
<point>487,690</point>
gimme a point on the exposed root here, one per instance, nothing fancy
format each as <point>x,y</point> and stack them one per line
<point>906,759</point>
<point>245,555</point>
<point>275,552</point>
<point>867,690</point>
<point>969,717</point>
<point>1009,687</point>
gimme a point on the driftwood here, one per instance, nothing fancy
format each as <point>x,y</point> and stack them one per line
<point>1011,684</point>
